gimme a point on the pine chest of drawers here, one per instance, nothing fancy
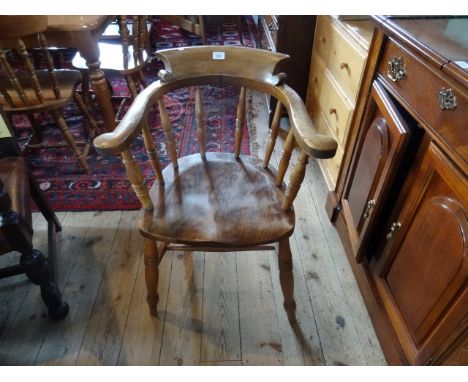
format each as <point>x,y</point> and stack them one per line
<point>338,59</point>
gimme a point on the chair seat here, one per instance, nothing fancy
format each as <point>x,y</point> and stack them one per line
<point>218,202</point>
<point>14,176</point>
<point>67,80</point>
<point>111,58</point>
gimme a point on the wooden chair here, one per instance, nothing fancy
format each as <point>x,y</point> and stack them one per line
<point>27,90</point>
<point>198,24</point>
<point>192,24</point>
<point>126,55</point>
<point>17,187</point>
<point>217,201</point>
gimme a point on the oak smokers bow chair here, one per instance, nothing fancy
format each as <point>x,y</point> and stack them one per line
<point>217,201</point>
<point>26,90</point>
<point>124,52</point>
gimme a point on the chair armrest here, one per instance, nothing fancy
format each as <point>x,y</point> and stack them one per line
<point>317,145</point>
<point>130,126</point>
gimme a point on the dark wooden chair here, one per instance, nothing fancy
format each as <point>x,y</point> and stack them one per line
<point>218,201</point>
<point>17,188</point>
<point>27,90</point>
<point>124,49</point>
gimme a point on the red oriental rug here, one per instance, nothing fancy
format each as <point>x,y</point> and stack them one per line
<point>106,187</point>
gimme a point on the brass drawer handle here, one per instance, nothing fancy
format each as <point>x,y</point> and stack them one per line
<point>370,204</point>
<point>332,110</point>
<point>323,39</point>
<point>343,65</point>
<point>447,99</point>
<point>393,228</point>
<point>397,69</point>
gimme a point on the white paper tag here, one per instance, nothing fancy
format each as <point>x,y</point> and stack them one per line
<point>218,55</point>
<point>462,64</point>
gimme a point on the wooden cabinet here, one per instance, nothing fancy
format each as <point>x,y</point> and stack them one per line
<point>401,200</point>
<point>422,272</point>
<point>338,59</point>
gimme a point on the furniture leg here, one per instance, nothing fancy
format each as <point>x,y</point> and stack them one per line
<point>152,275</point>
<point>131,85</point>
<point>62,125</point>
<point>89,50</point>
<point>37,269</point>
<point>85,89</point>
<point>90,124</point>
<point>103,97</point>
<point>37,133</point>
<point>286,279</point>
<point>86,95</point>
<point>142,79</point>
<point>52,250</point>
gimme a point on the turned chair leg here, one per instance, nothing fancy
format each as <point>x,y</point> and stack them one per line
<point>152,275</point>
<point>70,139</point>
<point>90,125</point>
<point>37,269</point>
<point>286,279</point>
<point>37,133</point>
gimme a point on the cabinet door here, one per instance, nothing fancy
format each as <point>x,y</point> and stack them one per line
<point>379,152</point>
<point>423,271</point>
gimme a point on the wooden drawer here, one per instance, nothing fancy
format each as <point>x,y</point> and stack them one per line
<point>419,92</point>
<point>337,109</point>
<point>330,167</point>
<point>343,57</point>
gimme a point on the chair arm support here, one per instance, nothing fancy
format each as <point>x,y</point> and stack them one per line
<point>314,144</point>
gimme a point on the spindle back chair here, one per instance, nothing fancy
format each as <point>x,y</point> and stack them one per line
<point>27,90</point>
<point>125,54</point>
<point>217,201</point>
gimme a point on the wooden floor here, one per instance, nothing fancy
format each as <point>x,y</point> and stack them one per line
<point>215,308</point>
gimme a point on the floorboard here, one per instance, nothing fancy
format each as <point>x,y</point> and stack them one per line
<point>220,332</point>
<point>181,341</point>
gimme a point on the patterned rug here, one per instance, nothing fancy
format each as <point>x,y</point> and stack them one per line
<point>107,187</point>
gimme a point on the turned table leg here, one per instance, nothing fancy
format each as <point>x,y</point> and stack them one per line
<point>37,269</point>
<point>89,50</point>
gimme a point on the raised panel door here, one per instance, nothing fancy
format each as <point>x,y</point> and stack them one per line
<point>380,149</point>
<point>423,271</point>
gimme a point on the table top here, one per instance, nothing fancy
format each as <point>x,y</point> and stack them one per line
<point>75,22</point>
